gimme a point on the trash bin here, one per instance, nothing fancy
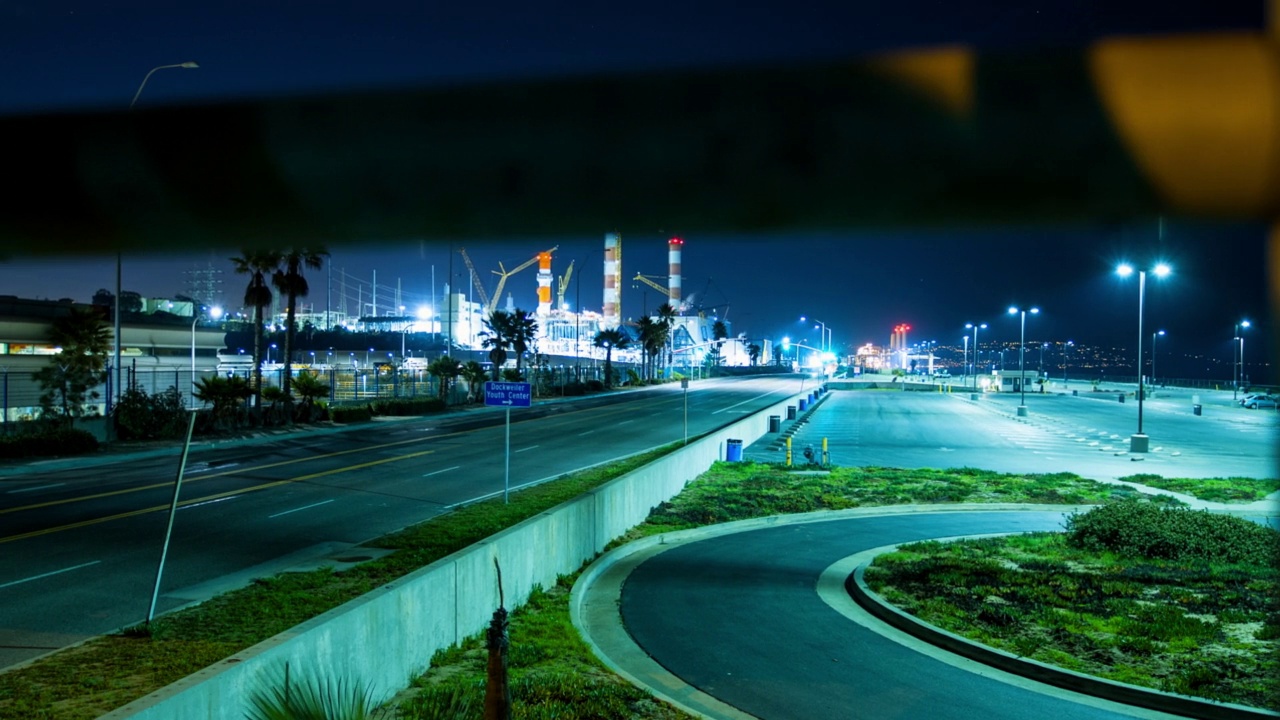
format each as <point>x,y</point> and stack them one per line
<point>1195,409</point>
<point>1120,397</point>
<point>733,450</point>
<point>1075,393</point>
<point>791,412</point>
<point>775,423</point>
<point>804,404</point>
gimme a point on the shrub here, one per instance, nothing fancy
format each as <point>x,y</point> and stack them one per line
<point>595,386</point>
<point>575,389</point>
<point>350,413</point>
<point>62,441</point>
<point>139,416</point>
<point>1139,529</point>
<point>408,406</point>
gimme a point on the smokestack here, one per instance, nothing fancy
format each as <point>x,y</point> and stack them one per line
<point>674,246</point>
<point>544,283</point>
<point>612,279</point>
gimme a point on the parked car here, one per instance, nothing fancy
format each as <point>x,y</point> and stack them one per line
<point>1248,397</point>
<point>1261,401</point>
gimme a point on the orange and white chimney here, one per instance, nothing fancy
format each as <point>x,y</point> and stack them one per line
<point>544,283</point>
<point>674,293</point>
<point>612,280</point>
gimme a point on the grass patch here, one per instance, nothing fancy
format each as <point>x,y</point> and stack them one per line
<point>1195,625</point>
<point>1223,490</point>
<point>110,671</point>
<point>551,671</point>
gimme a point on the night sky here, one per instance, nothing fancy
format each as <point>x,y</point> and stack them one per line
<point>68,57</point>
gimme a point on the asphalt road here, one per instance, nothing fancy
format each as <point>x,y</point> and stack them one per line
<point>80,546</point>
<point>737,616</point>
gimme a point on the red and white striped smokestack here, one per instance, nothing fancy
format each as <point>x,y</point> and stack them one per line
<point>612,279</point>
<point>674,246</point>
<point>544,283</point>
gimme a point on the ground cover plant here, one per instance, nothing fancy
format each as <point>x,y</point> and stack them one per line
<point>1168,598</point>
<point>1223,490</point>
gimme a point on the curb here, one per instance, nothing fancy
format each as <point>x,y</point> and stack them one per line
<point>1042,672</point>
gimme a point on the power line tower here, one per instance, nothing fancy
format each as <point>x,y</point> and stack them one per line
<point>204,284</point>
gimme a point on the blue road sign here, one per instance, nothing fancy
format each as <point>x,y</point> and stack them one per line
<point>507,394</point>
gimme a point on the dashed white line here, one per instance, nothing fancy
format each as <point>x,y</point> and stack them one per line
<point>528,448</point>
<point>437,472</point>
<point>32,489</point>
<point>585,433</point>
<point>304,507</point>
<point>49,574</point>
<point>208,502</point>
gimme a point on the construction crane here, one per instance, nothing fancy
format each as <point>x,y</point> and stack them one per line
<point>503,274</point>
<point>475,277</point>
<point>651,281</point>
<point>564,285</point>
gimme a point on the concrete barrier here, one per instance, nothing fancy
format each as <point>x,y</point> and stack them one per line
<point>387,637</point>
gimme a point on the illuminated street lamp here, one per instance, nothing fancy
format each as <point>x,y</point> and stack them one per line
<point>1066,359</point>
<point>1139,442</point>
<point>1238,351</point>
<point>215,312</point>
<point>826,345</point>
<point>975,327</point>
<point>1022,357</point>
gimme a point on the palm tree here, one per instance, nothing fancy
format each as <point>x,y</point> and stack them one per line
<point>497,337</point>
<point>289,280</point>
<point>68,383</point>
<point>310,388</point>
<point>225,394</point>
<point>475,375</point>
<point>523,330</point>
<point>445,369</point>
<point>667,314</point>
<point>610,339</point>
<point>719,331</point>
<point>753,352</point>
<point>652,340</point>
<point>256,264</point>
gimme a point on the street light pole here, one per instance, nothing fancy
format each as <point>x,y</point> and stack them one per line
<point>214,313</point>
<point>1238,351</point>
<point>1139,442</point>
<point>975,327</point>
<point>1153,354</point>
<point>1066,359</point>
<point>823,342</point>
<point>1022,358</point>
<point>116,390</point>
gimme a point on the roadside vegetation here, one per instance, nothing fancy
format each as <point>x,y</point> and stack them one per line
<point>552,671</point>
<point>1223,490</point>
<point>1176,600</point>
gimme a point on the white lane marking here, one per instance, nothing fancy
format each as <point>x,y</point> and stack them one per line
<point>528,448</point>
<point>624,422</point>
<point>744,402</point>
<point>304,507</point>
<point>38,487</point>
<point>49,574</point>
<point>585,433</point>
<point>208,502</point>
<point>437,472</point>
<point>207,468</point>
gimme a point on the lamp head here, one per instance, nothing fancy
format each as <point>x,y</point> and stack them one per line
<point>188,65</point>
<point>1162,270</point>
<point>1244,323</point>
<point>215,312</point>
<point>1013,310</point>
<point>1035,311</point>
<point>1124,269</point>
<point>1160,332</point>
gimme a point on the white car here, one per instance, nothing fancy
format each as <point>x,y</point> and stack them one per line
<point>1253,402</point>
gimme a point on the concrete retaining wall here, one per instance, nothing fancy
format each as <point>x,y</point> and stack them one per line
<point>387,637</point>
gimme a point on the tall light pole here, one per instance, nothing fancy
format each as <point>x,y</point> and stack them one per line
<point>1022,357</point>
<point>823,341</point>
<point>116,390</point>
<point>1066,358</point>
<point>1153,354</point>
<point>1139,442</point>
<point>964,364</point>
<point>975,327</point>
<point>214,313</point>
<point>1238,351</point>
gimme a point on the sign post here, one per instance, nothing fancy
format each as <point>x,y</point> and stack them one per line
<point>507,395</point>
<point>684,385</point>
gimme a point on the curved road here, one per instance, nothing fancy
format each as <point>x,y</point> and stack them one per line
<point>738,616</point>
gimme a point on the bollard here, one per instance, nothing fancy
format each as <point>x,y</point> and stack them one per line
<point>1120,397</point>
<point>804,404</point>
<point>826,456</point>
<point>791,412</point>
<point>733,450</point>
<point>775,423</point>
<point>1196,409</point>
<point>788,452</point>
